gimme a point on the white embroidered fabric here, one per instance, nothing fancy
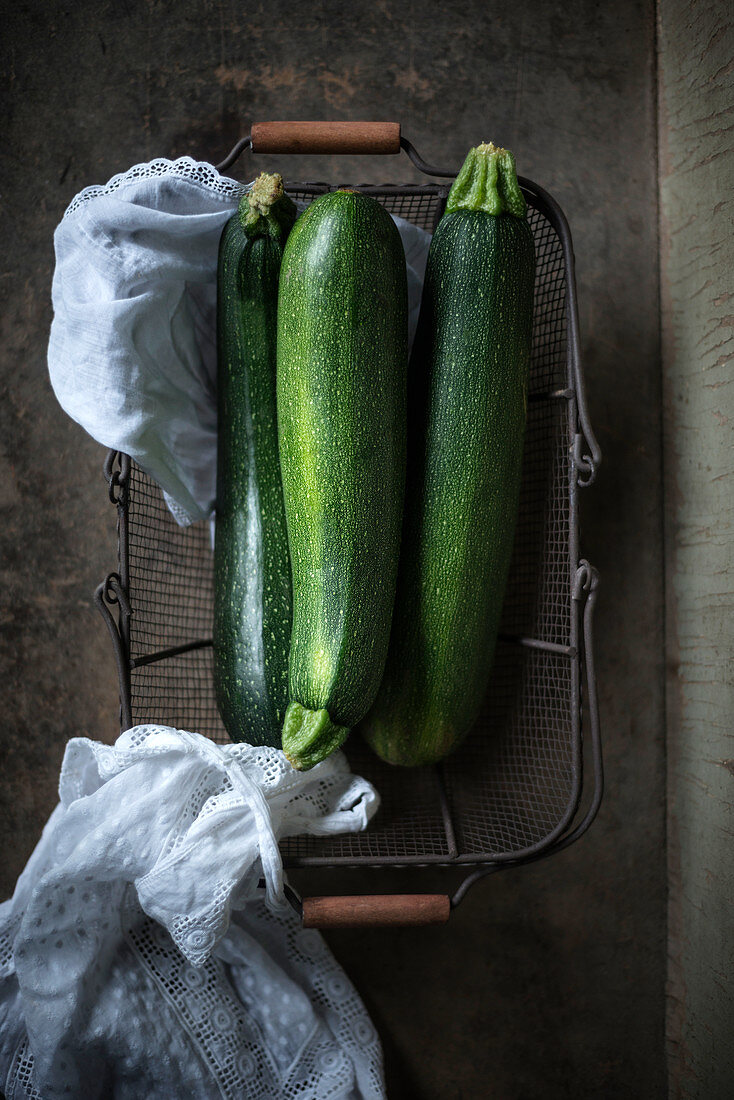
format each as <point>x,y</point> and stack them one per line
<point>138,958</point>
<point>132,350</point>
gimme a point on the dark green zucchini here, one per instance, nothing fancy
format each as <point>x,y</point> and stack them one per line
<point>252,582</point>
<point>467,394</point>
<point>342,362</point>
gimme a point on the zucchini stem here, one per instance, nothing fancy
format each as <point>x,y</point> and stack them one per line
<point>488,181</point>
<point>309,736</point>
<point>266,210</point>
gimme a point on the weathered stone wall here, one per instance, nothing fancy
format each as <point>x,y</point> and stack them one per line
<point>697,239</point>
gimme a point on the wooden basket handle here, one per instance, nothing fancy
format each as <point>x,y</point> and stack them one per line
<point>376,910</point>
<point>325,137</point>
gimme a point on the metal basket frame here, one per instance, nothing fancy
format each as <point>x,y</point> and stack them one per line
<point>113,596</point>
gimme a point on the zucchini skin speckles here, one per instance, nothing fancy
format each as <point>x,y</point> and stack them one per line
<point>252,590</point>
<point>468,396</point>
<point>342,361</point>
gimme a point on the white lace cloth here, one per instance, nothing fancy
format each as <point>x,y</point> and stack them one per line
<point>137,956</point>
<point>132,350</point>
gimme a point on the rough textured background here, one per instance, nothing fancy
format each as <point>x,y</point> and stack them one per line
<point>548,981</point>
<point>697,221</point>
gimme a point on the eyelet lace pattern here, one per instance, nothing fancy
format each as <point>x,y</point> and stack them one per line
<point>138,958</point>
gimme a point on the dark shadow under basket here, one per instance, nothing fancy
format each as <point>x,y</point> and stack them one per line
<point>512,792</point>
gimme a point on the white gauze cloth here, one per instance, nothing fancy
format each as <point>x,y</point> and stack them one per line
<point>132,351</point>
<point>137,956</point>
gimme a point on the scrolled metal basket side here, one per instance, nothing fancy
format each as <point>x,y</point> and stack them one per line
<point>113,592</point>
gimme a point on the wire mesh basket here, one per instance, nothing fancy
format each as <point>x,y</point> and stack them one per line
<point>513,791</point>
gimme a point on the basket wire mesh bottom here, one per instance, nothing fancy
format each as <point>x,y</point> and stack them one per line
<point>515,782</point>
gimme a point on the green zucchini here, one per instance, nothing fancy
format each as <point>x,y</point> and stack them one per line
<point>342,364</point>
<point>467,393</point>
<point>252,582</point>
